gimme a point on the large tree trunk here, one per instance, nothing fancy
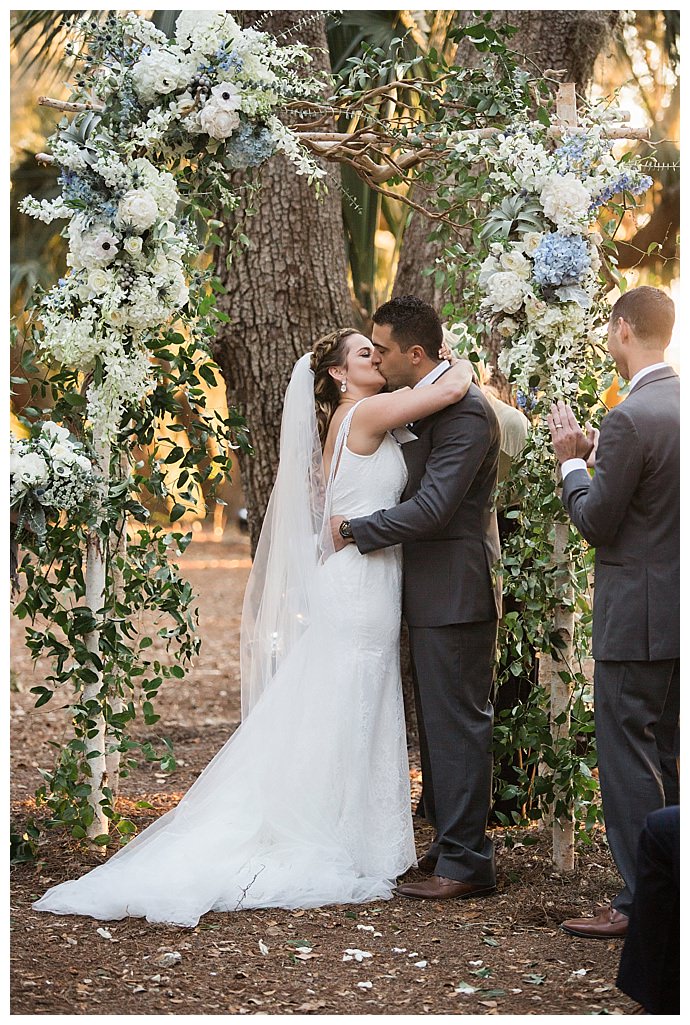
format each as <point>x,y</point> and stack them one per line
<point>284,291</point>
<point>570,40</point>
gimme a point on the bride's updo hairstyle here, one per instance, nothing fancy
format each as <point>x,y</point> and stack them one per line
<point>329,351</point>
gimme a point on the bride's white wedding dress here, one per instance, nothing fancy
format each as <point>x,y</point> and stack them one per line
<point>308,803</point>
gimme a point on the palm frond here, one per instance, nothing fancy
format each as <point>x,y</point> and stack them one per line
<point>38,37</point>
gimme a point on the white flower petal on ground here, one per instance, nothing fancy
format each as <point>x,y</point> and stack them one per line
<point>353,954</point>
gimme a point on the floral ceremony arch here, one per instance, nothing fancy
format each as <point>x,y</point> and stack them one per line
<point>157,127</point>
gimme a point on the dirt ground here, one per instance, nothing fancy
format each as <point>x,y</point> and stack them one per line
<point>501,955</point>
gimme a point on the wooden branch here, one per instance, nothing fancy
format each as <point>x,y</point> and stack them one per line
<point>71,108</point>
<point>45,158</point>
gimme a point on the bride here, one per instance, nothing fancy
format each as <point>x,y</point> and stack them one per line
<point>308,802</point>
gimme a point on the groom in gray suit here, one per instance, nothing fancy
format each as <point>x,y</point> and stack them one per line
<point>451,597</point>
<point>630,510</point>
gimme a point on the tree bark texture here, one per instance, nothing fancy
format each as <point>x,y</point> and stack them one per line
<point>571,40</point>
<point>285,290</point>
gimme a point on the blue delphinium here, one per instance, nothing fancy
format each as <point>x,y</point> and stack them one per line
<point>561,260</point>
<point>636,184</point>
<point>249,146</point>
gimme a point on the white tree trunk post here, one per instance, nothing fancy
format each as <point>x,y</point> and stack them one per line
<point>564,619</point>
<point>112,757</point>
<point>95,599</point>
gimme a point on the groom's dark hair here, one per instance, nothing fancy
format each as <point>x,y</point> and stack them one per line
<point>412,322</point>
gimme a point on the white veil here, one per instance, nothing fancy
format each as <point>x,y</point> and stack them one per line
<point>277,602</point>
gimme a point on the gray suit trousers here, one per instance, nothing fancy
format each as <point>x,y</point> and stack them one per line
<point>454,677</point>
<point>636,710</point>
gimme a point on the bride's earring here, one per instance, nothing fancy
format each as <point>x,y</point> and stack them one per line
<point>343,387</point>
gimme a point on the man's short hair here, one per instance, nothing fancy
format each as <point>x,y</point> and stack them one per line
<point>649,311</point>
<point>412,322</point>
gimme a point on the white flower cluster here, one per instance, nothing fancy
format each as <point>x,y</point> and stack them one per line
<point>304,163</point>
<point>126,381</point>
<point>208,96</point>
<point>47,210</point>
<point>540,286</point>
<point>50,470</point>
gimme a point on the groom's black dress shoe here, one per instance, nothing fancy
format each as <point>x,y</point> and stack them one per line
<point>440,888</point>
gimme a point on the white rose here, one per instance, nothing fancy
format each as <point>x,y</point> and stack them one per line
<point>534,308</point>
<point>565,200</point>
<point>99,280</point>
<point>137,209</point>
<point>507,327</point>
<point>31,469</point>
<point>158,73</point>
<point>159,265</point>
<point>531,240</point>
<point>116,317</point>
<point>227,95</point>
<point>516,262</point>
<point>133,245</point>
<point>505,292</point>
<point>218,122</point>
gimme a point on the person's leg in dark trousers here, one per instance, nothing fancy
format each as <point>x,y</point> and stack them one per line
<point>649,970</point>
<point>425,808</point>
<point>454,667</point>
<point>636,711</point>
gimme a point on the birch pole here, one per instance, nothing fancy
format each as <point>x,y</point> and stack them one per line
<point>95,601</point>
<point>116,700</point>
<point>564,618</point>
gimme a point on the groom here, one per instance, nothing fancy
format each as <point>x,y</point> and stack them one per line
<point>451,599</point>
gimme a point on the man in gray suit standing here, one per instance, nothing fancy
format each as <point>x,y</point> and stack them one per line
<point>451,597</point>
<point>630,510</point>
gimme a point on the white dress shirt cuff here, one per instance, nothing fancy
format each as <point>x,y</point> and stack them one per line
<point>572,464</point>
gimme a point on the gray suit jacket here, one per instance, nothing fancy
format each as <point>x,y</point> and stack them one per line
<point>630,510</point>
<point>445,521</point>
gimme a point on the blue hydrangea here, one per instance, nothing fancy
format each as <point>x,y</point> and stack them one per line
<point>579,155</point>
<point>561,260</point>
<point>249,146</point>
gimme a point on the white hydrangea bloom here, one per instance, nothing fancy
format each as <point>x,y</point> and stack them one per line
<point>159,73</point>
<point>159,184</point>
<point>202,32</point>
<point>29,469</point>
<point>137,209</point>
<point>74,342</point>
<point>566,201</point>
